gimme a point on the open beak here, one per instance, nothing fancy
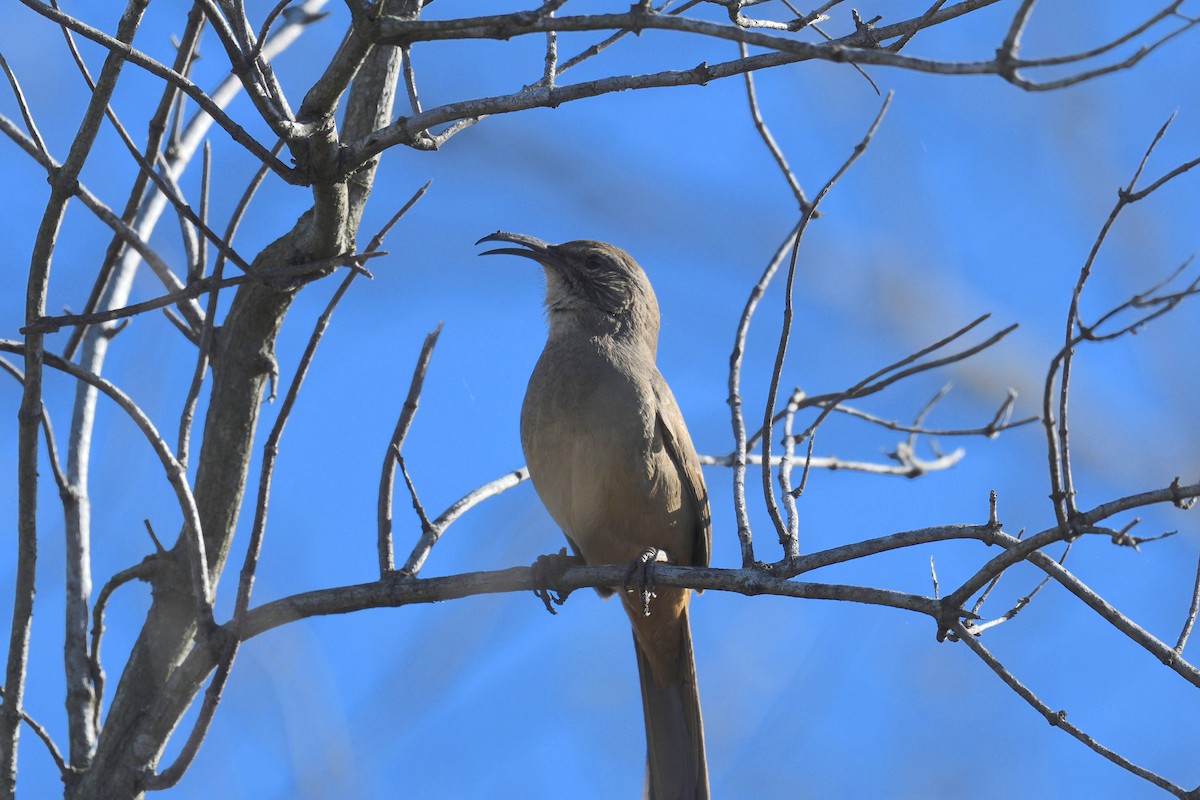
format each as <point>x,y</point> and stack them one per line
<point>535,249</point>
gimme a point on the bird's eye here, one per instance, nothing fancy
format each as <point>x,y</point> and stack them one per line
<point>594,262</point>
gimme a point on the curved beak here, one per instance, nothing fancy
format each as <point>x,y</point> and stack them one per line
<point>535,249</point>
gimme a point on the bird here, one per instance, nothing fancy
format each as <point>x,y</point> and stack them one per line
<point>610,458</point>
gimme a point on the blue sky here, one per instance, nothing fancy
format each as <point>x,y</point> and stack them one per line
<point>975,197</point>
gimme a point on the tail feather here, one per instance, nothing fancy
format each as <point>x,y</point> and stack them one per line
<point>675,760</point>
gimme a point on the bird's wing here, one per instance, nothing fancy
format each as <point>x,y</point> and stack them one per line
<point>683,453</point>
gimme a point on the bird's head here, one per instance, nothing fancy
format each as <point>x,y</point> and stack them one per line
<point>596,283</point>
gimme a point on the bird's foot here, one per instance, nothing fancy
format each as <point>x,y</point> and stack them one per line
<point>641,575</point>
<point>547,574</point>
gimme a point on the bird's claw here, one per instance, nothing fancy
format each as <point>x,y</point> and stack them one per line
<point>547,573</point>
<point>641,574</point>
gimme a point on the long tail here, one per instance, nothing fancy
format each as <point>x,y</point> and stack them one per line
<point>675,762</point>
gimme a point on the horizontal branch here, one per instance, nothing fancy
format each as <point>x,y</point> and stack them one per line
<point>392,592</point>
<point>399,30</point>
<point>279,278</point>
<point>1175,494</point>
<point>858,48</point>
<point>909,467</point>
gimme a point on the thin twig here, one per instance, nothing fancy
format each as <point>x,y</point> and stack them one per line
<point>765,134</point>
<point>551,57</point>
<point>40,731</point>
<point>280,278</point>
<point>202,243</point>
<point>899,44</point>
<point>140,59</point>
<point>266,27</point>
<point>387,563</point>
<point>785,333</point>
<point>172,469</point>
<point>738,420</point>
<point>909,469</point>
<point>792,545</point>
<point>426,525</point>
<point>47,429</point>
<point>182,142</point>
<point>410,78</point>
<point>1000,420</point>
<point>899,370</point>
<point>144,570</point>
<point>1191,615</point>
<point>1057,432</point>
<point>163,181</point>
<point>26,115</point>
<point>1018,606</point>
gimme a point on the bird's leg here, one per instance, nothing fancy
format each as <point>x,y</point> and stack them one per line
<point>547,573</point>
<point>641,574</point>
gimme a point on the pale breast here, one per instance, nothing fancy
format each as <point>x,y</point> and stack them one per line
<point>595,454</point>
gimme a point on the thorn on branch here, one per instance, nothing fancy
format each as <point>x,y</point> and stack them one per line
<point>158,548</point>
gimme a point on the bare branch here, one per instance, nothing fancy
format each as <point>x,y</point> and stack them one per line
<point>1059,718</point>
<point>137,58</point>
<point>910,468</point>
<point>51,449</point>
<point>1028,548</point>
<point>1057,430</point>
<point>1012,40</point>
<point>40,731</point>
<point>182,143</point>
<point>410,79</point>
<point>781,352</point>
<point>785,475</point>
<point>392,592</point>
<point>125,233</point>
<point>899,44</point>
<point>171,775</point>
<point>281,279</point>
<point>144,570</point>
<point>861,47</point>
<point>426,525</point>
<point>1017,607</point>
<point>63,184</point>
<point>206,332</point>
<point>387,562</point>
<point>30,125</point>
<point>1000,421</point>
<point>212,697</point>
<point>738,458</point>
<point>881,379</point>
<point>171,467</point>
<point>431,534</point>
<point>1191,615</point>
<point>765,134</point>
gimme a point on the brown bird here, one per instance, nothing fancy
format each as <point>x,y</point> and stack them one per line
<point>611,459</point>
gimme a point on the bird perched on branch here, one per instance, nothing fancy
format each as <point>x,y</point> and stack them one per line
<point>611,459</point>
